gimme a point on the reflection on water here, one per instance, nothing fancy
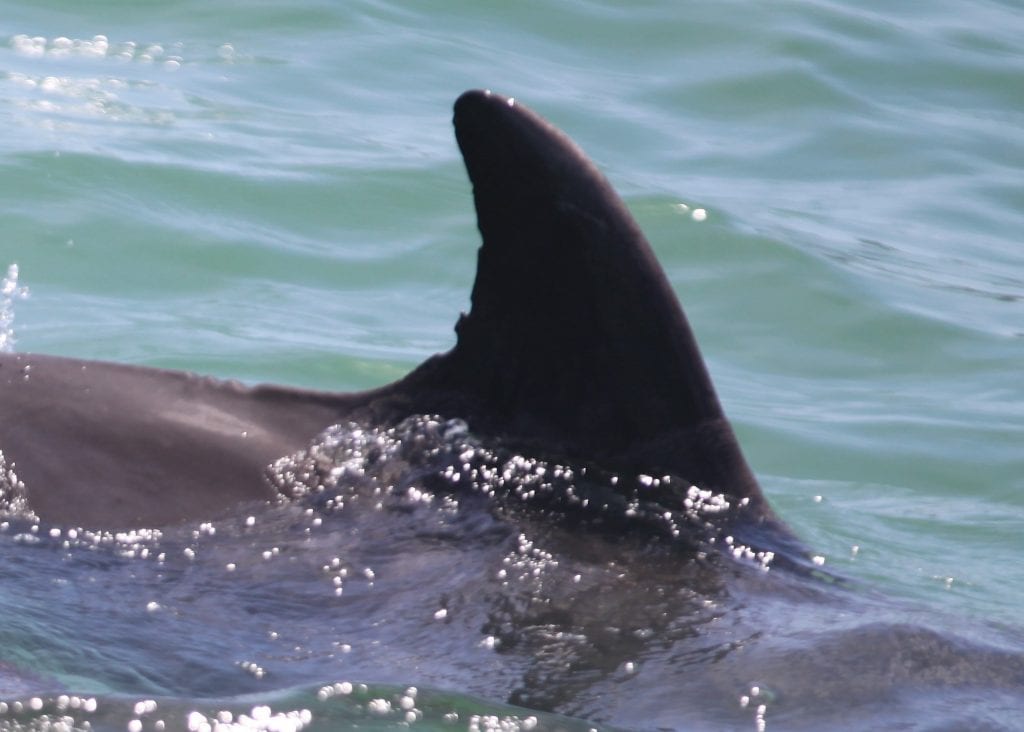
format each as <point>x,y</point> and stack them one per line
<point>857,289</point>
<point>401,558</point>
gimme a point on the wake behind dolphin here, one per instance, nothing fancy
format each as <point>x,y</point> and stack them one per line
<point>575,348</point>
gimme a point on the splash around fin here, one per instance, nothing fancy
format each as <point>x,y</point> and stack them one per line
<point>575,346</point>
<point>575,342</point>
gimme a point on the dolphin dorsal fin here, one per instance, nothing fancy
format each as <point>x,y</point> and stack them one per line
<point>575,339</point>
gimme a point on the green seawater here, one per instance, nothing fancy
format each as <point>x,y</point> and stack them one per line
<point>271,191</point>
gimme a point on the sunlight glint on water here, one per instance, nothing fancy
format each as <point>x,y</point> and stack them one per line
<point>273,193</point>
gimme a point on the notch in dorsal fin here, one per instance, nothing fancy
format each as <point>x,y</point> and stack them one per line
<point>575,339</point>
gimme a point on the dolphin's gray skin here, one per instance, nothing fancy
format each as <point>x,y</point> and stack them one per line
<point>575,346</point>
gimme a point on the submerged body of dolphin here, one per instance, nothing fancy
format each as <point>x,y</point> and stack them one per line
<point>575,346</point>
<point>575,358</point>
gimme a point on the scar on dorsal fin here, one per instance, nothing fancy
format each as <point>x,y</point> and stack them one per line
<point>575,339</point>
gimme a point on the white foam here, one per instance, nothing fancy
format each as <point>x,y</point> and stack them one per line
<point>260,718</point>
<point>9,292</point>
<point>97,47</point>
<point>13,498</point>
<point>427,460</point>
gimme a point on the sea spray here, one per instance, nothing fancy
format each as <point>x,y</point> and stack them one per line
<point>9,292</point>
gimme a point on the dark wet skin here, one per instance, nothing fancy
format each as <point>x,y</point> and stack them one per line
<point>575,346</point>
<point>576,353</point>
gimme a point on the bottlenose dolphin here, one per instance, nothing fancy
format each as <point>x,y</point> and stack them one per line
<point>575,345</point>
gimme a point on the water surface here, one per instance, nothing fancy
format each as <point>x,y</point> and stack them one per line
<point>272,192</point>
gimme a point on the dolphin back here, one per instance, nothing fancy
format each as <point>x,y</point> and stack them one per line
<point>575,346</point>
